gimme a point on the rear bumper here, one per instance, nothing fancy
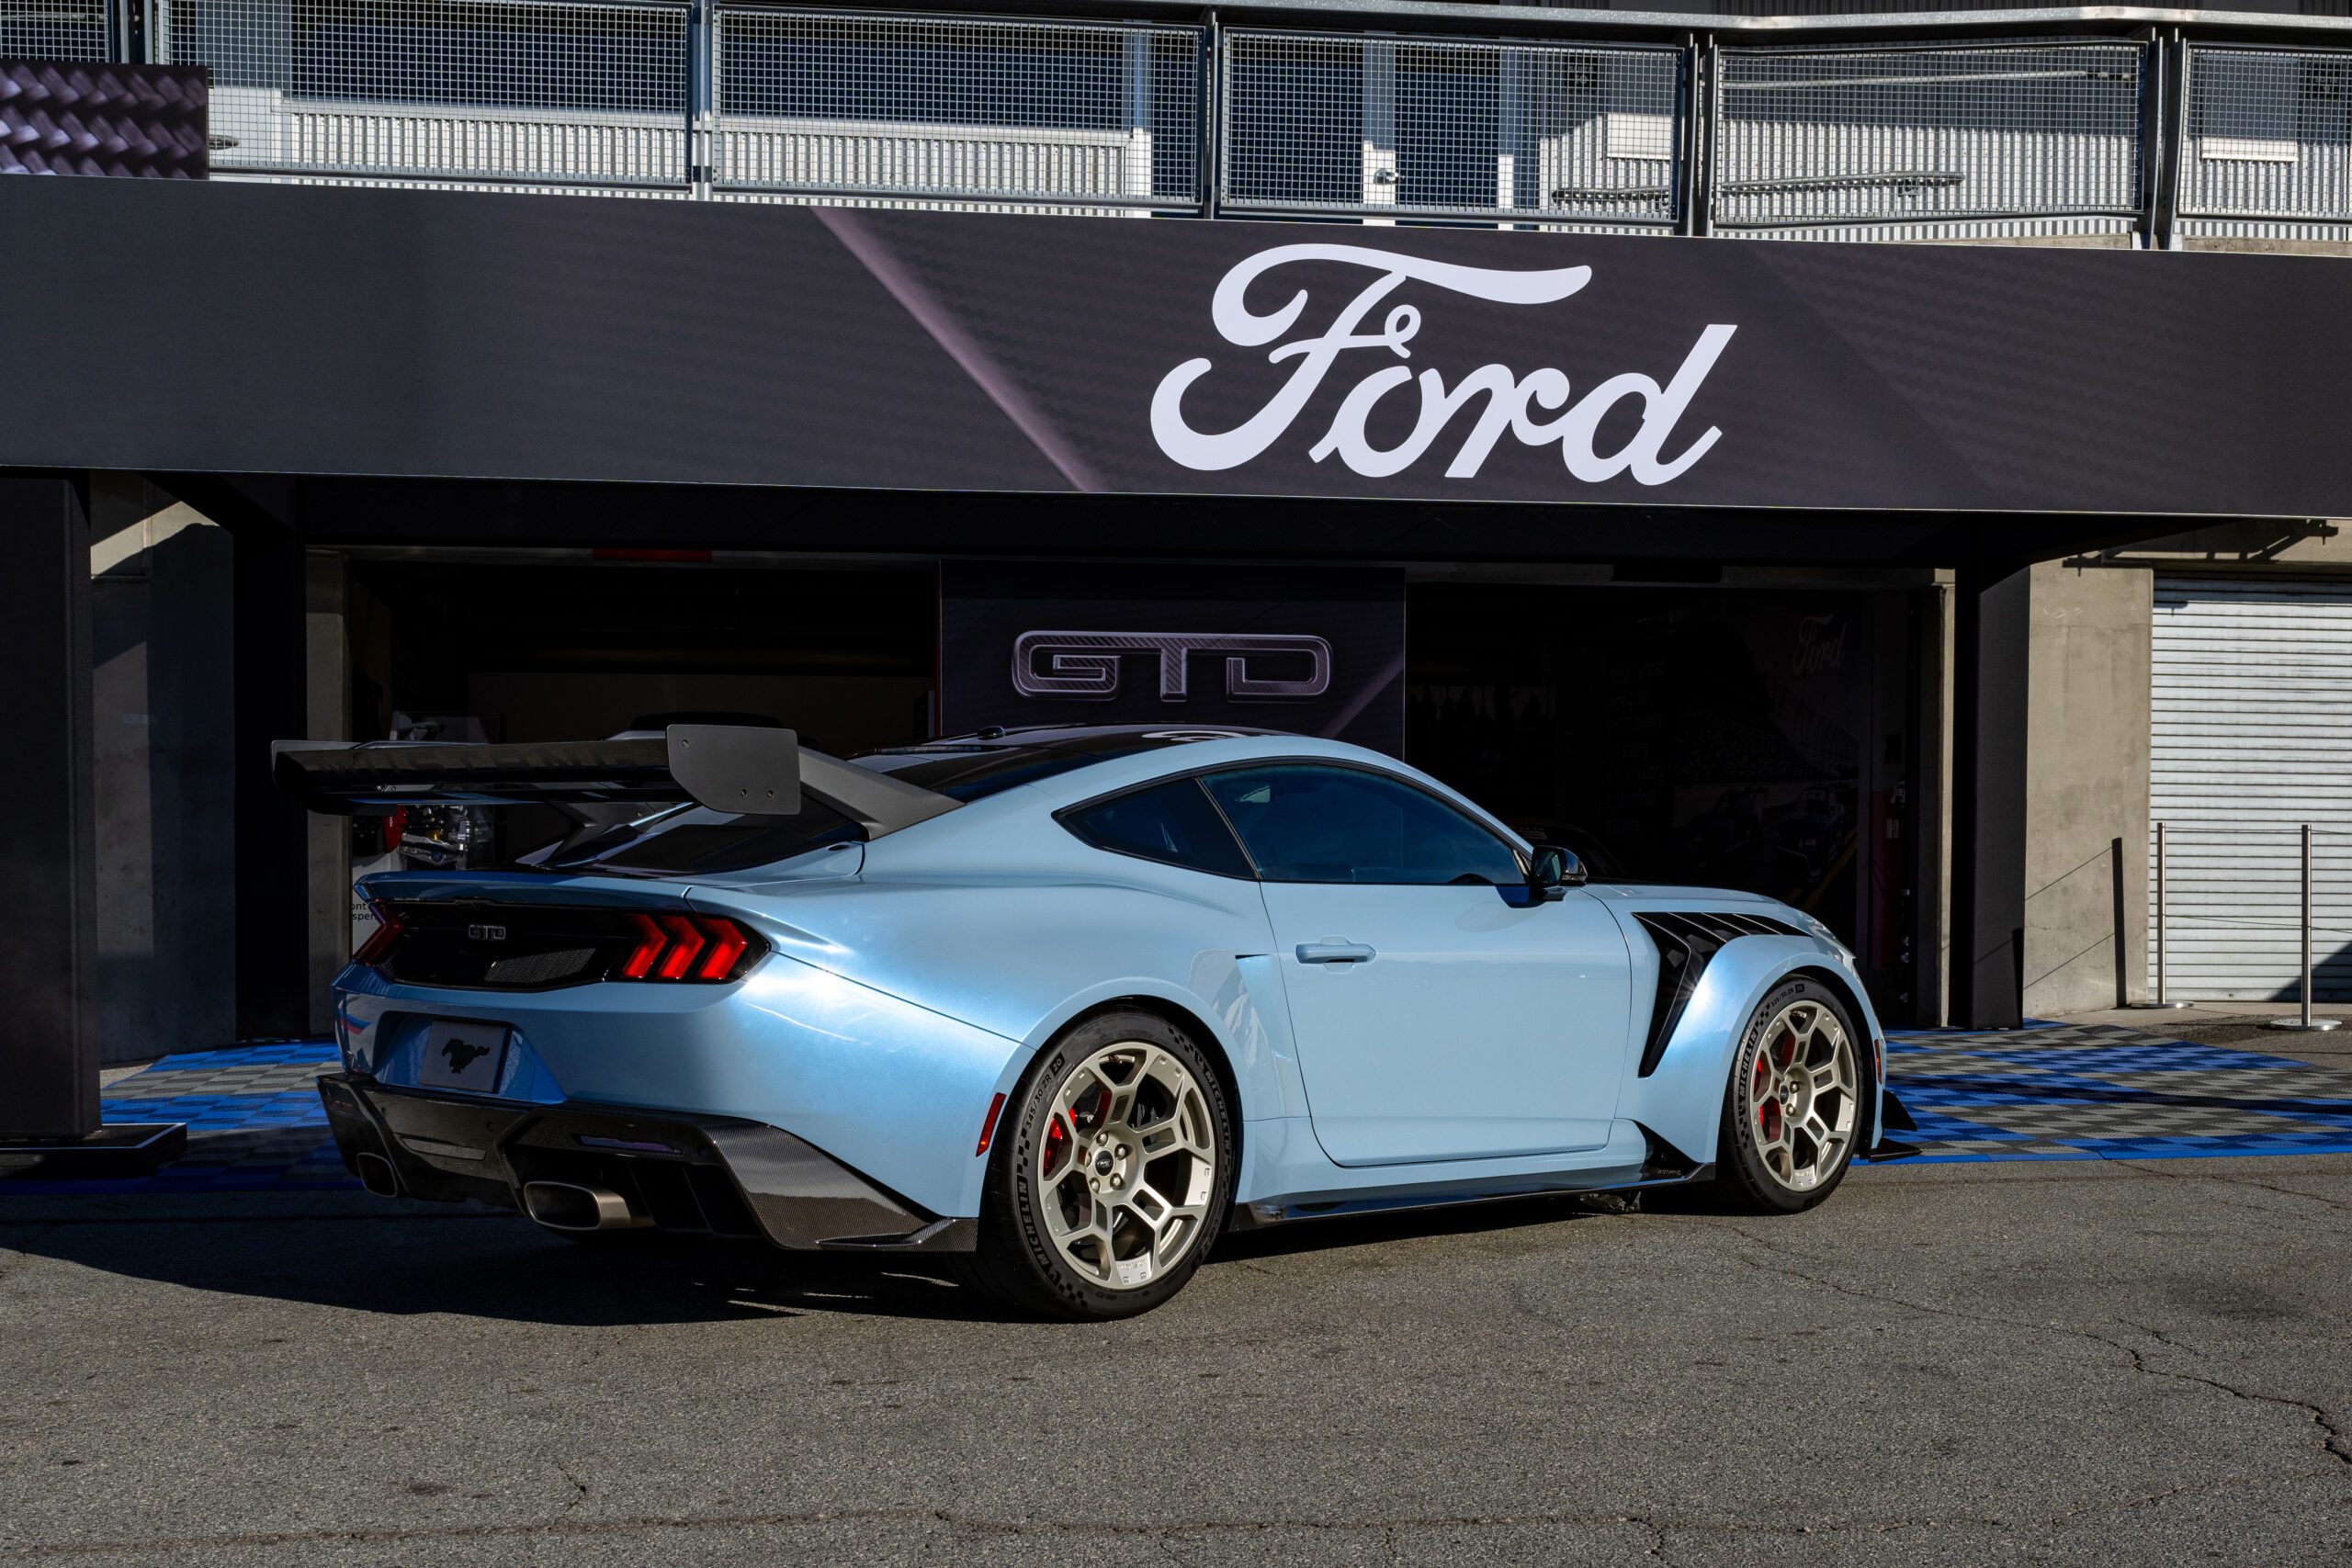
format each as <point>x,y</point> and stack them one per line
<point>699,1175</point>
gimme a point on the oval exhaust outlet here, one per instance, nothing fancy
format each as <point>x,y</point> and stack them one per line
<point>376,1174</point>
<point>569,1206</point>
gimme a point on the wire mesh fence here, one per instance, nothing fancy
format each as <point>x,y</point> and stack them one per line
<point>505,90</point>
<point>1978,138</point>
<point>967,108</point>
<point>52,29</point>
<point>2268,133</point>
<point>1904,134</point>
<point>1397,127</point>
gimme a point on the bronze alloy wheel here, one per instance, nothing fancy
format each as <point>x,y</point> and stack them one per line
<point>1797,1106</point>
<point>1118,1174</point>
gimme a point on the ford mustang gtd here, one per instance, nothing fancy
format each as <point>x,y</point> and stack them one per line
<point>1064,1003</point>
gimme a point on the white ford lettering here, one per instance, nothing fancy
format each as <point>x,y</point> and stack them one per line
<point>1511,401</point>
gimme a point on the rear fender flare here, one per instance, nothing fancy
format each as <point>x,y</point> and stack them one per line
<point>1236,1002</point>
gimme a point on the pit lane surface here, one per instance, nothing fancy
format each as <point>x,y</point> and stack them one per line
<point>2094,1361</point>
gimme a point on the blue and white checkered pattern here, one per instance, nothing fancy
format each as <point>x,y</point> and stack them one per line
<point>2102,1092</point>
<point>2046,1092</point>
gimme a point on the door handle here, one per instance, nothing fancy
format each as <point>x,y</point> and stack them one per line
<point>1334,953</point>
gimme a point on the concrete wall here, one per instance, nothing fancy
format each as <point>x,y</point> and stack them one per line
<point>161,590</point>
<point>2086,806</point>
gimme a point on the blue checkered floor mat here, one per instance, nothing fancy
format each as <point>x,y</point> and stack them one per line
<point>2046,1092</point>
<point>2103,1092</point>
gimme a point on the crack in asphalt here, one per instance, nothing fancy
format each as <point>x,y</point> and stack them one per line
<point>2228,1179</point>
<point>2334,1441</point>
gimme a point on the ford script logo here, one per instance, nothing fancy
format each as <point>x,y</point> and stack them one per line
<point>1086,664</point>
<point>1535,407</point>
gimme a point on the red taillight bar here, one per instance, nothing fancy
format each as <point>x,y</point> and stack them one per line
<point>684,947</point>
<point>378,945</point>
<point>686,940</point>
<point>727,942</point>
<point>650,942</point>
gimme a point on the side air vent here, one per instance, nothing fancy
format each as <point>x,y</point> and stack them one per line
<point>1687,943</point>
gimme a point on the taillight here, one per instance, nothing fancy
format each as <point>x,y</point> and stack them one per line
<point>684,947</point>
<point>379,943</point>
<point>650,944</point>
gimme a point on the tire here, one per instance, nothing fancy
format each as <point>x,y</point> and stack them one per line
<point>1772,1156</point>
<point>1077,1144</point>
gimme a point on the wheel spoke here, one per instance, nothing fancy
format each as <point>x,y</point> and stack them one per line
<point>1129,1108</point>
<point>1801,1095</point>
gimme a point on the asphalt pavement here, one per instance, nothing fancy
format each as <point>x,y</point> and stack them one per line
<point>2068,1363</point>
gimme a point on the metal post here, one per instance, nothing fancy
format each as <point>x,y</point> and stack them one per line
<point>2160,999</point>
<point>2306,1020</point>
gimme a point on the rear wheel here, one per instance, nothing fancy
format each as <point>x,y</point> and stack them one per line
<point>1117,1172</point>
<point>1794,1111</point>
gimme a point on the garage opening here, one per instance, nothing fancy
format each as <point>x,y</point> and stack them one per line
<point>1761,739</point>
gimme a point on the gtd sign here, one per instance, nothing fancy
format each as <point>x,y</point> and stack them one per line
<point>1086,664</point>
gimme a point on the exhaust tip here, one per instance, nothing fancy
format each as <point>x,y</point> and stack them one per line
<point>569,1206</point>
<point>376,1174</point>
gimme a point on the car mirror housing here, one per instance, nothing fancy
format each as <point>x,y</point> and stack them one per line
<point>1552,869</point>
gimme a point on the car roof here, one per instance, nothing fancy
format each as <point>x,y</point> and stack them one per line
<point>989,761</point>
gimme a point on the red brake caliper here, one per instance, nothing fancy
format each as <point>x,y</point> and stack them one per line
<point>1056,1143</point>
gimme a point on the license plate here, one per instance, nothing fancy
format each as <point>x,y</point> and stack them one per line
<point>461,1055</point>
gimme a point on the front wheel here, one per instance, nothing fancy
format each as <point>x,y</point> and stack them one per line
<point>1797,1105</point>
<point>1117,1172</point>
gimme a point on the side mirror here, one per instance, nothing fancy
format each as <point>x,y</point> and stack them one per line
<point>1553,870</point>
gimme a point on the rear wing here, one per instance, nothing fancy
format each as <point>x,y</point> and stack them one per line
<point>736,768</point>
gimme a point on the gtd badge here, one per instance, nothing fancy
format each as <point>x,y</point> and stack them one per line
<point>1086,664</point>
<point>486,933</point>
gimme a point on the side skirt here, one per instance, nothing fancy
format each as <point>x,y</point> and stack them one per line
<point>1659,1170</point>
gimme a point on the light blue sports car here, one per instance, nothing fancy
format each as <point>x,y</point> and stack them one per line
<point>1064,1003</point>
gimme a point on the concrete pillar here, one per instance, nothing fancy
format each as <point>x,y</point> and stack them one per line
<point>1989,763</point>
<point>161,586</point>
<point>2087,808</point>
<point>48,975</point>
<point>327,716</point>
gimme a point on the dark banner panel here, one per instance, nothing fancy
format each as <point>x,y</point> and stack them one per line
<point>61,116</point>
<point>1311,652</point>
<point>385,332</point>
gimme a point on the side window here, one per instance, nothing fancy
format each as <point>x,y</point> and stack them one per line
<point>1171,822</point>
<point>1303,822</point>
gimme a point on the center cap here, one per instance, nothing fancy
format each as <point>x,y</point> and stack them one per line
<point>1103,1163</point>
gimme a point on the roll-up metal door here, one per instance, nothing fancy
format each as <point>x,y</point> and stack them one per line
<point>2252,705</point>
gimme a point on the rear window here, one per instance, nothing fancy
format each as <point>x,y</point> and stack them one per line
<point>1171,822</point>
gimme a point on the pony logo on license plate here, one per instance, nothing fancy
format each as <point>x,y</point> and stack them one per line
<point>463,1055</point>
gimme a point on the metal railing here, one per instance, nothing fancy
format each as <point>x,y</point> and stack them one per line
<point>1390,127</point>
<point>54,29</point>
<point>569,92</point>
<point>1929,133</point>
<point>2250,912</point>
<point>884,104</point>
<point>744,100</point>
<point>2267,134</point>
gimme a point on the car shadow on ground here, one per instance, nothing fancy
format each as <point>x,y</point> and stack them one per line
<point>484,1263</point>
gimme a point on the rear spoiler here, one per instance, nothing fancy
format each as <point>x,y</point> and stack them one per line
<point>737,768</point>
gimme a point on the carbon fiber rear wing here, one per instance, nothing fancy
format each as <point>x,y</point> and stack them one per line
<point>735,768</point>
